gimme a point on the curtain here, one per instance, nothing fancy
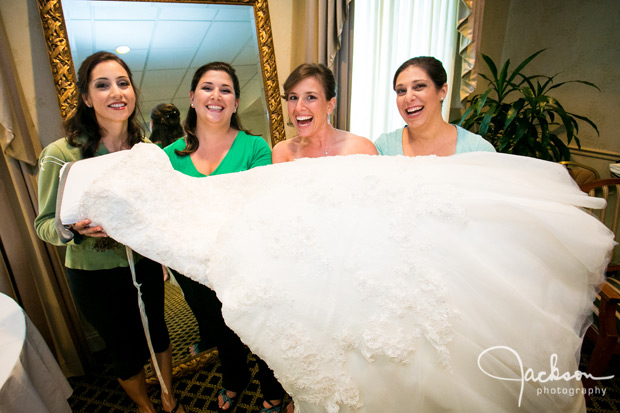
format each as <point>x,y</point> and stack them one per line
<point>343,71</point>
<point>470,29</point>
<point>394,31</point>
<point>31,271</point>
<point>325,31</point>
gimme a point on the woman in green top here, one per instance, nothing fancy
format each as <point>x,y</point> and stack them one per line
<point>216,144</point>
<point>96,266</point>
<point>165,124</point>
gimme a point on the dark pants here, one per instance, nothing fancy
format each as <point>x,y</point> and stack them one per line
<point>195,294</point>
<point>108,300</point>
<point>232,352</point>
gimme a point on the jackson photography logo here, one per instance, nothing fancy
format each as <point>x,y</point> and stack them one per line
<point>528,375</point>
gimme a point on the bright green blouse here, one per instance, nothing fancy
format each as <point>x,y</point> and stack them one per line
<point>246,152</point>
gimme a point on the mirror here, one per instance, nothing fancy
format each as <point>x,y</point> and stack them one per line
<point>168,41</point>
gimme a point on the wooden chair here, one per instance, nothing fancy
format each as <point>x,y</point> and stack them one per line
<point>581,173</point>
<point>608,189</point>
<point>604,331</point>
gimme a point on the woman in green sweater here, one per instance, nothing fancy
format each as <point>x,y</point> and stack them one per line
<point>97,267</point>
<point>215,144</point>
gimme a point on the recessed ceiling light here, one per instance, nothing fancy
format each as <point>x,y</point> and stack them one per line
<point>122,49</point>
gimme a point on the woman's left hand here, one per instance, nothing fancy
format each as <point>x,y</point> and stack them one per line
<point>84,228</point>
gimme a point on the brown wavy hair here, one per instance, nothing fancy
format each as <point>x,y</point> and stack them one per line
<point>191,140</point>
<point>83,122</point>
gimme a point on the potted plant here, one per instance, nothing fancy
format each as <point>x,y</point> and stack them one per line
<point>517,114</point>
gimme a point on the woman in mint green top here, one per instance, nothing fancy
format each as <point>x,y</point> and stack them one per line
<point>421,86</point>
<point>391,143</point>
<point>216,144</point>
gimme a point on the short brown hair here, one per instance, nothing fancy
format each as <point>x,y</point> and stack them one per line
<point>316,70</point>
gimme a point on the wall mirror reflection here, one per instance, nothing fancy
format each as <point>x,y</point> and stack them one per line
<point>164,42</point>
<point>168,40</point>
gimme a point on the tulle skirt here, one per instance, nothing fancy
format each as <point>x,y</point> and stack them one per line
<point>372,283</point>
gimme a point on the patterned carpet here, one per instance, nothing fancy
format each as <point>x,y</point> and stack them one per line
<point>197,381</point>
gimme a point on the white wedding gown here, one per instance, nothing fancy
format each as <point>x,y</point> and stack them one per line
<point>380,284</point>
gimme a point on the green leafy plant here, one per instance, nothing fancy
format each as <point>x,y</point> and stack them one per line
<point>517,115</point>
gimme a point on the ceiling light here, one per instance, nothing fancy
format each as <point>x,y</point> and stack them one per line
<point>122,49</point>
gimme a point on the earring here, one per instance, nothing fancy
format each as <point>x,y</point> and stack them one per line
<point>192,105</point>
<point>441,98</point>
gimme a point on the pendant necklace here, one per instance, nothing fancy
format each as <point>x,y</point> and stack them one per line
<point>324,148</point>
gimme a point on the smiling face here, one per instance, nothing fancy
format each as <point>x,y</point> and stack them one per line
<point>110,93</point>
<point>308,107</point>
<point>417,97</point>
<point>214,97</point>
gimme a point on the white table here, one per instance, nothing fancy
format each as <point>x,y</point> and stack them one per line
<point>30,378</point>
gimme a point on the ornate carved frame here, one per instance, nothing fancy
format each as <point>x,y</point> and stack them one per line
<point>65,79</point>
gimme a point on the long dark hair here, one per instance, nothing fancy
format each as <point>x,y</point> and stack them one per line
<point>167,127</point>
<point>83,121</point>
<point>190,121</point>
<point>433,68</point>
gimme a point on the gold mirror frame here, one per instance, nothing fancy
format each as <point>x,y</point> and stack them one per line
<point>65,79</point>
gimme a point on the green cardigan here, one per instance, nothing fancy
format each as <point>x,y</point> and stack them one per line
<point>80,254</point>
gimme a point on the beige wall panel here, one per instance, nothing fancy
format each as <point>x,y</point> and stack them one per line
<point>583,42</point>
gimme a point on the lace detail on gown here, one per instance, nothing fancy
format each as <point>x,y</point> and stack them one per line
<point>359,277</point>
